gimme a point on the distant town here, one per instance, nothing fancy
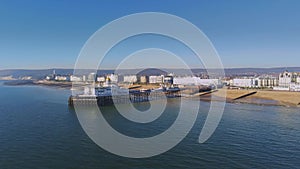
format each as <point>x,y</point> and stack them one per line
<point>284,81</point>
<point>276,86</point>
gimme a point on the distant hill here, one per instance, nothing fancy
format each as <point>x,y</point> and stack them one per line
<point>151,71</point>
<point>40,74</point>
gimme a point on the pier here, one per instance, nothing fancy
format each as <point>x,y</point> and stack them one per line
<point>134,96</point>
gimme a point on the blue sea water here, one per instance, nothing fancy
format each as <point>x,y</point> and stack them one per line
<point>39,130</point>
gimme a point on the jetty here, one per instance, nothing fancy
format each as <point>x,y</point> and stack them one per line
<point>133,96</point>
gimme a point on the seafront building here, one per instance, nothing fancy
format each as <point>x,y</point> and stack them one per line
<point>295,76</point>
<point>289,81</point>
<point>156,79</point>
<point>113,78</point>
<point>192,80</point>
<point>130,79</point>
<point>100,79</point>
<point>298,80</point>
<point>242,82</point>
<point>295,87</point>
<point>255,82</point>
<point>74,78</point>
<point>62,78</point>
<point>286,81</point>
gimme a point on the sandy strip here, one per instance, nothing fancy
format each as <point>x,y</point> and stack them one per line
<point>284,98</point>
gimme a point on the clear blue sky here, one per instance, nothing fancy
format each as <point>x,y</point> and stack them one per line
<point>246,33</point>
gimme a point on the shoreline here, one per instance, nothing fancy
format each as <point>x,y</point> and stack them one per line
<point>260,97</point>
<point>63,85</point>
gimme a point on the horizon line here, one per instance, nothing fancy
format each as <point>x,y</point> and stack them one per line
<point>151,68</point>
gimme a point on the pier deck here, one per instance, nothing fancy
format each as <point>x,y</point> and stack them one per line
<point>134,96</point>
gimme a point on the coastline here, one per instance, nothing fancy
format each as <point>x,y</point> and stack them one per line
<point>64,85</point>
<point>260,97</point>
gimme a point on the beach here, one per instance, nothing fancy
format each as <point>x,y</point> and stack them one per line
<point>280,98</point>
<point>257,96</point>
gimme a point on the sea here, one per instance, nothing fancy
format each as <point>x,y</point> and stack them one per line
<point>38,130</point>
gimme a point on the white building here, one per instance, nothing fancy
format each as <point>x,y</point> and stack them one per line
<point>156,79</point>
<point>152,79</point>
<point>288,82</point>
<point>130,79</point>
<point>113,78</point>
<point>192,80</point>
<point>187,80</point>
<point>61,78</point>
<point>298,80</point>
<point>26,78</point>
<point>255,82</point>
<point>295,76</point>
<point>101,79</point>
<point>285,79</point>
<point>48,78</point>
<point>266,82</point>
<point>245,82</point>
<point>160,79</point>
<point>84,78</point>
<point>295,87</point>
<point>74,78</point>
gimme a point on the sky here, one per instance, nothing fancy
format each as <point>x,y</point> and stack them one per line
<point>246,33</point>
